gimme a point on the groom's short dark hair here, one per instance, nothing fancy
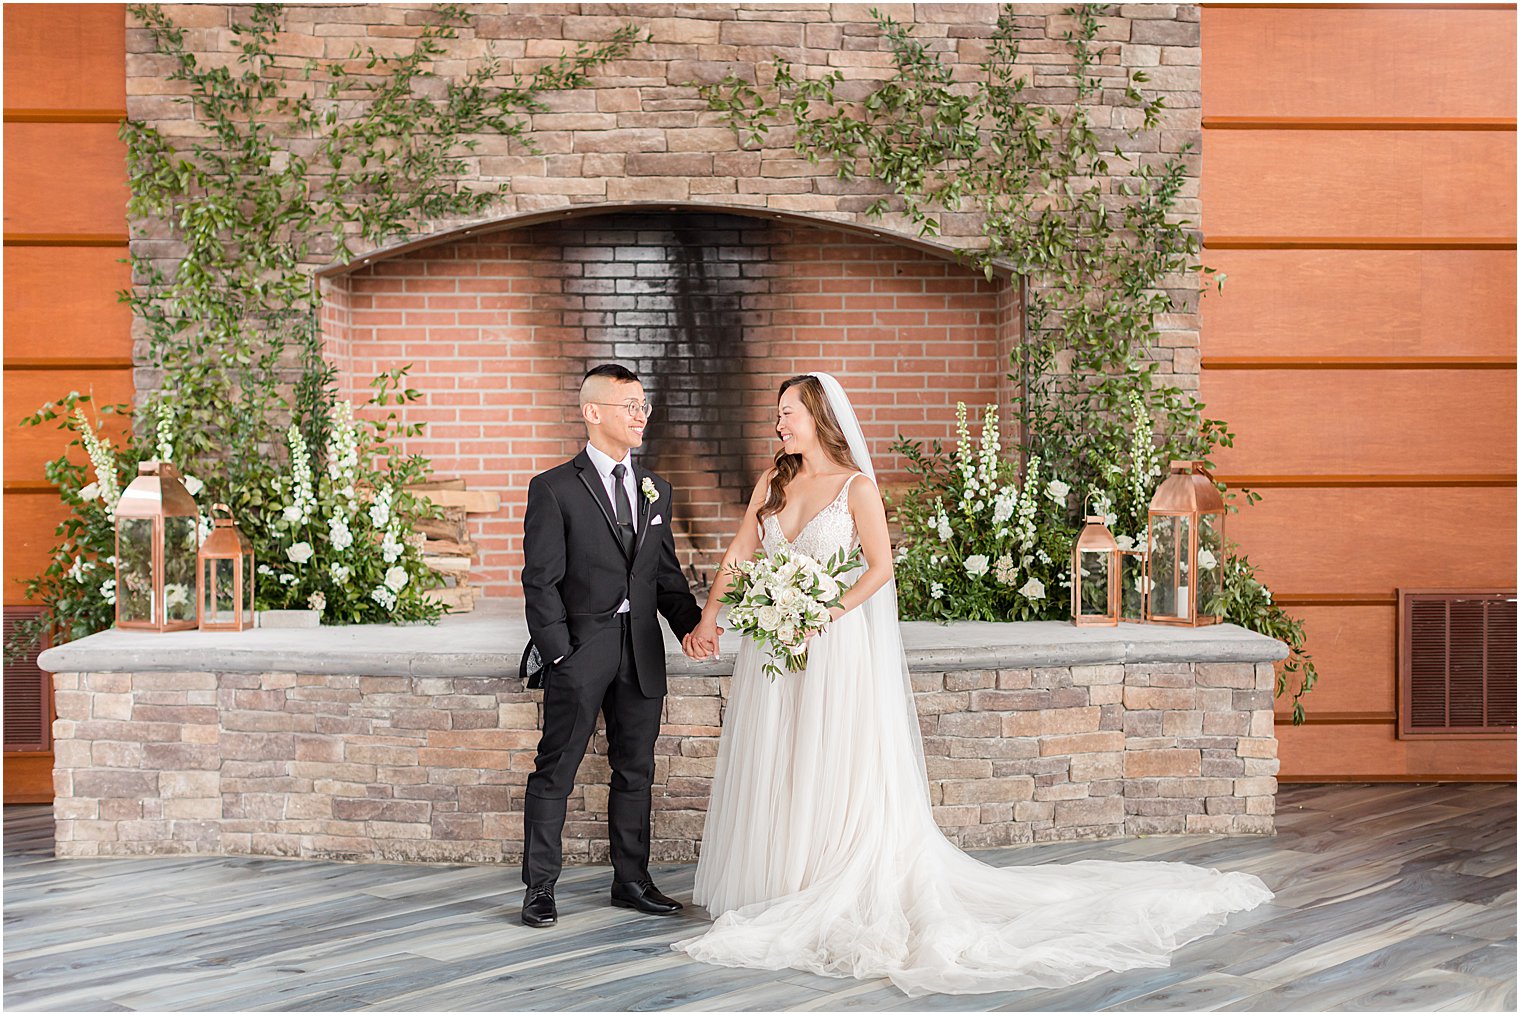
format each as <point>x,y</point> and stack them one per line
<point>616,371</point>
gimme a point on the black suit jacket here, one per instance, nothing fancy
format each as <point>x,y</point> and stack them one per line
<point>575,573</point>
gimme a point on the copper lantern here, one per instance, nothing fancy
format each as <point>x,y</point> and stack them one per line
<point>1185,548</point>
<point>225,570</point>
<point>1095,576</point>
<point>157,536</point>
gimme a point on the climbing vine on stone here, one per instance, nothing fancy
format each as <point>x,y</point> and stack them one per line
<point>287,162</point>
<point>1089,231</point>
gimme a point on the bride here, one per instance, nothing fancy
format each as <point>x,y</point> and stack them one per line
<point>820,850</point>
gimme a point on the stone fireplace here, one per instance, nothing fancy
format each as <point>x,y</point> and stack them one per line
<point>713,309</point>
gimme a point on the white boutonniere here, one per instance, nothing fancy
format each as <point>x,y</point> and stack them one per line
<point>650,493</point>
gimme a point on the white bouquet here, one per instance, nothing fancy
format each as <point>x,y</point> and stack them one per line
<point>782,599</point>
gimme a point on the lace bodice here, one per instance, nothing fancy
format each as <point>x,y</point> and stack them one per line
<point>826,533</point>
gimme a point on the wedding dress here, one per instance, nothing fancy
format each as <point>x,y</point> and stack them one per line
<point>820,850</point>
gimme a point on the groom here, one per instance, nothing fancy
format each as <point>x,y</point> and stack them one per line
<point>599,564</point>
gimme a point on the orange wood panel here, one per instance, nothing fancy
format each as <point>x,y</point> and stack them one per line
<point>1373,541</point>
<point>60,304</point>
<point>30,519</point>
<point>27,448</point>
<point>65,56</point>
<point>1353,649</point>
<point>1377,303</point>
<point>1339,183</point>
<point>1365,62</point>
<point>63,178</point>
<point>1364,421</point>
<point>29,778</point>
<point>1311,750</point>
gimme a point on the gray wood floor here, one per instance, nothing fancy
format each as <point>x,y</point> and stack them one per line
<point>1389,898</point>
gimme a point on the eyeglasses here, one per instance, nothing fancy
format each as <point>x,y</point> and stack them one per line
<point>632,408</point>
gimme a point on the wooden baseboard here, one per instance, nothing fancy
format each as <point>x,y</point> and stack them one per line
<point>1284,780</point>
<point>29,777</point>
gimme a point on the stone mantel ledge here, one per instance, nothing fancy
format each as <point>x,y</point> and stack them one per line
<point>489,641</point>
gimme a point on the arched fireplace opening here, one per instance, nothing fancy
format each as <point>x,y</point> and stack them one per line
<point>712,308</point>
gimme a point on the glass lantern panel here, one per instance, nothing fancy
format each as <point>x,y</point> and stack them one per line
<point>1165,580</point>
<point>1210,564</point>
<point>1095,582</point>
<point>224,591</point>
<point>246,562</point>
<point>181,540</point>
<point>134,570</point>
<point>1132,587</point>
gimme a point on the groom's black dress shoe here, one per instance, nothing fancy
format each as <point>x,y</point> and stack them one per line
<point>538,906</point>
<point>643,896</point>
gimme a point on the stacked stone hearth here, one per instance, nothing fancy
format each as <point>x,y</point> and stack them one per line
<point>431,767</point>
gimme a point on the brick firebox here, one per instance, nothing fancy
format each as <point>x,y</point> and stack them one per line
<point>713,310</point>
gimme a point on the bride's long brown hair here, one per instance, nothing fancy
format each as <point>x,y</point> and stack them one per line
<point>835,445</point>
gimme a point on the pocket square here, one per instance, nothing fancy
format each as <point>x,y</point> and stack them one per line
<point>657,519</point>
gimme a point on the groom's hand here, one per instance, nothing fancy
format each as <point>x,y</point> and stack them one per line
<point>702,643</point>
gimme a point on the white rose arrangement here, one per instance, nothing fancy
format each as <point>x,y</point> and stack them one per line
<point>782,600</point>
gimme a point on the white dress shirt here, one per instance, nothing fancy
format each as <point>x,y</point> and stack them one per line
<point>604,464</point>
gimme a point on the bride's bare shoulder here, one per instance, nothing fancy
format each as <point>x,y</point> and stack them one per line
<point>863,492</point>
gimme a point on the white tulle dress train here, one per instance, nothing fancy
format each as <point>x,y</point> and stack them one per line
<point>820,850</point>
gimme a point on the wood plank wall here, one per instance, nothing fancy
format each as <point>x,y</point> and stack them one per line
<point>1359,192</point>
<point>65,231</point>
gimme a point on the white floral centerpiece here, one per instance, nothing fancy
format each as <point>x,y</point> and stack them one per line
<point>977,543</point>
<point>783,599</point>
<point>347,548</point>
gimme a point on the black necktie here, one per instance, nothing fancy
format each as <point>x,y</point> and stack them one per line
<point>621,507</point>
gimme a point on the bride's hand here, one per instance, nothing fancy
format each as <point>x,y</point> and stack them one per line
<point>705,637</point>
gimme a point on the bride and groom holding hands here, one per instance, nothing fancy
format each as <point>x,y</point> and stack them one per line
<point>820,850</point>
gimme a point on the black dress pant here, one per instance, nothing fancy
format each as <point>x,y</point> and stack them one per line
<point>598,677</point>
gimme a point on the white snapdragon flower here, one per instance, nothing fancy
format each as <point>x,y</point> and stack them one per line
<point>299,553</point>
<point>1003,504</point>
<point>380,510</point>
<point>339,573</point>
<point>304,499</point>
<point>89,491</point>
<point>391,547</point>
<point>942,527</point>
<point>396,578</point>
<point>343,450</point>
<point>338,533</point>
<point>1033,589</point>
<point>977,564</point>
<point>103,460</point>
<point>936,590</point>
